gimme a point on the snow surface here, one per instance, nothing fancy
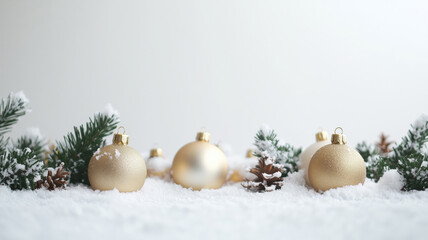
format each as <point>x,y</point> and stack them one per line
<point>164,210</point>
<point>158,164</point>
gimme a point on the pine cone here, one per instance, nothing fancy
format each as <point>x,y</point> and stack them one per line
<point>384,145</point>
<point>269,177</point>
<point>52,182</point>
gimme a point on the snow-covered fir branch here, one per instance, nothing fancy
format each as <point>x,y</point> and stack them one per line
<point>11,108</point>
<point>20,169</point>
<point>372,157</point>
<point>78,146</point>
<point>270,147</point>
<point>410,157</point>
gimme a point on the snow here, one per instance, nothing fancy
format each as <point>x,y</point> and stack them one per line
<point>391,180</point>
<point>20,95</point>
<point>158,164</point>
<point>110,110</point>
<point>116,153</point>
<point>164,210</point>
<point>421,121</point>
<point>34,133</point>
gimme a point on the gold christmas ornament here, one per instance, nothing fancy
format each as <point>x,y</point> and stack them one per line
<point>336,165</point>
<point>305,157</point>
<point>117,166</point>
<point>200,164</point>
<point>158,165</point>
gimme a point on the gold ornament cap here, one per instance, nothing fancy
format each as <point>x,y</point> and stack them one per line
<point>156,152</point>
<point>249,153</point>
<point>203,136</point>
<point>338,138</point>
<point>120,138</point>
<point>321,136</point>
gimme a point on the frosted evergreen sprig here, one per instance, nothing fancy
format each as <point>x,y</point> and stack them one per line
<point>20,169</point>
<point>268,146</point>
<point>375,164</point>
<point>11,108</point>
<point>410,157</point>
<point>37,144</point>
<point>77,148</point>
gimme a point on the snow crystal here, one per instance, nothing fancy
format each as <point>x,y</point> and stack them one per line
<point>421,121</point>
<point>34,132</point>
<point>37,178</point>
<point>270,176</point>
<point>20,95</point>
<point>116,153</point>
<point>110,110</point>
<point>99,155</point>
<point>265,129</point>
<point>20,167</point>
<point>98,151</point>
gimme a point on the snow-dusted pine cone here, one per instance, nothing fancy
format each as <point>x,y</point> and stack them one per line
<point>54,181</point>
<point>269,176</point>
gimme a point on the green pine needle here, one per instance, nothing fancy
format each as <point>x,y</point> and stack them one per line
<point>11,108</point>
<point>20,169</point>
<point>268,145</point>
<point>78,146</point>
<point>35,143</point>
<point>375,166</point>
<point>410,158</point>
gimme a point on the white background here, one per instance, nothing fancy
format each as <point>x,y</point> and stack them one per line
<point>172,67</point>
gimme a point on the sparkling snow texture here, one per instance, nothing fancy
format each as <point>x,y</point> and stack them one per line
<point>163,210</point>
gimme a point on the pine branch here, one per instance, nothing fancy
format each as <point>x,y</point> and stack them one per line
<point>11,108</point>
<point>19,169</point>
<point>410,157</point>
<point>35,143</point>
<point>375,165</point>
<point>78,146</point>
<point>4,141</point>
<point>268,145</point>
<point>20,164</point>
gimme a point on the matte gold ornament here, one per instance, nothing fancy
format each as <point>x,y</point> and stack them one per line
<point>200,164</point>
<point>305,157</point>
<point>158,165</point>
<point>117,166</point>
<point>336,165</point>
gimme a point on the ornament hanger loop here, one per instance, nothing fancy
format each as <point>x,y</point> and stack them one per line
<point>341,130</point>
<point>203,129</point>
<point>121,127</point>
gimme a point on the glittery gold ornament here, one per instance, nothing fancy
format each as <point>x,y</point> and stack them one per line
<point>200,164</point>
<point>336,165</point>
<point>158,165</point>
<point>305,157</point>
<point>117,166</point>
